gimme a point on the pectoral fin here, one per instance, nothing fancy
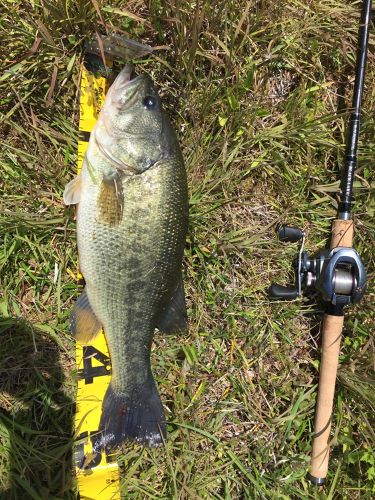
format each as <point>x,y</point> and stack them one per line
<point>111,199</point>
<point>174,317</point>
<point>72,192</point>
<point>84,325</point>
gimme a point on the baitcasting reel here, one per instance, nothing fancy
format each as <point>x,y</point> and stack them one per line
<point>338,274</point>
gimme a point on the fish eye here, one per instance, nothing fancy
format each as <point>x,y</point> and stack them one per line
<point>149,102</point>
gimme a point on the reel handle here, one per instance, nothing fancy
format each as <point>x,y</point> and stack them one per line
<point>288,234</point>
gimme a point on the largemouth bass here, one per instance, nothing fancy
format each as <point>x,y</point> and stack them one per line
<point>131,226</point>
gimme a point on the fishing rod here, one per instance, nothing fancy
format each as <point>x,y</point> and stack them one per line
<point>337,273</point>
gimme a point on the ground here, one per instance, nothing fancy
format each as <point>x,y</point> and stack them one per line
<point>258,92</point>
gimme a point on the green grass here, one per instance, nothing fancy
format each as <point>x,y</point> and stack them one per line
<point>258,92</point>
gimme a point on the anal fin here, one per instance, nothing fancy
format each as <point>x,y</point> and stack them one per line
<point>84,325</point>
<point>174,318</point>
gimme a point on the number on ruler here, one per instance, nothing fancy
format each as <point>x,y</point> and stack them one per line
<point>81,460</point>
<point>85,462</point>
<point>89,372</point>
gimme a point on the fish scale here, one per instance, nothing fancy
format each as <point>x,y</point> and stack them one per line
<point>128,297</point>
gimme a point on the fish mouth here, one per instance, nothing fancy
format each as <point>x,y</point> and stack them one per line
<point>128,77</point>
<point>128,86</point>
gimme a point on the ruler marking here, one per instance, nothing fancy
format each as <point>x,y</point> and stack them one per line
<point>100,477</point>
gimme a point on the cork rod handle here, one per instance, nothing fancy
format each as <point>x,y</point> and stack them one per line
<point>342,236</point>
<point>342,233</point>
<point>331,339</point>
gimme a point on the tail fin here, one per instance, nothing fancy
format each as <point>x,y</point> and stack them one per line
<point>138,418</point>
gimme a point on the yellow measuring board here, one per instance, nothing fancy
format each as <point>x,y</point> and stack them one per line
<point>97,474</point>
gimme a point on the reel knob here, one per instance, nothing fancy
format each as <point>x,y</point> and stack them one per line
<point>290,234</point>
<point>283,292</point>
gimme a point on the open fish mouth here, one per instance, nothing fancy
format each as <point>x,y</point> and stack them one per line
<point>128,86</point>
<point>127,77</point>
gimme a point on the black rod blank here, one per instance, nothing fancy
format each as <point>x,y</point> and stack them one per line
<point>354,120</point>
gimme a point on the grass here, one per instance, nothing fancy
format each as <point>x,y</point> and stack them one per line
<point>258,92</point>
